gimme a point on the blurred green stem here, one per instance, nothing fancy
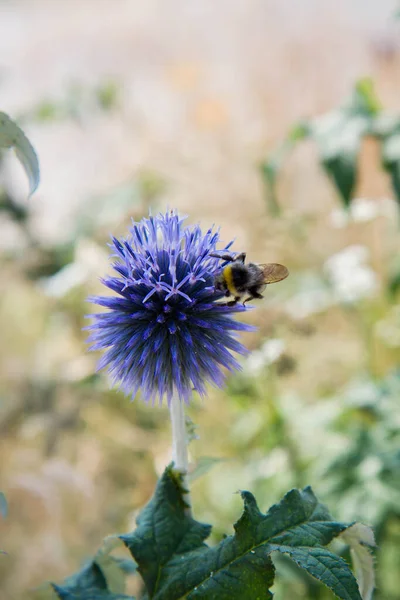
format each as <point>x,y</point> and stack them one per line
<point>180,444</point>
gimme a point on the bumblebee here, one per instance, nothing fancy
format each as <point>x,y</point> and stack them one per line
<point>237,279</point>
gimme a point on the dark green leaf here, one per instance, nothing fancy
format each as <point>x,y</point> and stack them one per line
<point>343,171</point>
<point>175,563</point>
<point>91,576</point>
<point>338,135</point>
<point>327,568</point>
<point>213,573</point>
<point>100,579</point>
<point>164,529</point>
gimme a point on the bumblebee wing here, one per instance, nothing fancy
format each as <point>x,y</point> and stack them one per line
<point>273,272</point>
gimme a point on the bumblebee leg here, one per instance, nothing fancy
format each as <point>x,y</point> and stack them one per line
<point>233,302</point>
<point>254,291</point>
<point>254,294</point>
<point>230,257</point>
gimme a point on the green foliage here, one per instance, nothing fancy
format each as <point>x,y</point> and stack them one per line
<point>12,136</point>
<point>174,562</point>
<point>89,584</point>
<point>364,478</point>
<point>338,136</point>
<point>352,458</point>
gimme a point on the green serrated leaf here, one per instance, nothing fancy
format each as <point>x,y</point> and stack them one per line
<point>3,505</point>
<point>12,136</point>
<point>327,567</point>
<point>176,564</point>
<point>100,579</point>
<point>91,576</point>
<point>217,573</point>
<point>163,530</point>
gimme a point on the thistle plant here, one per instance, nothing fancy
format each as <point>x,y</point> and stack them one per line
<point>166,333</point>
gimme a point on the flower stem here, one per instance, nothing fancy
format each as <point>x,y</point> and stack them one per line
<point>180,444</point>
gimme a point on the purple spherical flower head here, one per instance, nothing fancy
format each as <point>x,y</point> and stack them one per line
<point>165,330</point>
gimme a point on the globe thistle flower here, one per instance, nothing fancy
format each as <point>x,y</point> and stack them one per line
<point>165,331</point>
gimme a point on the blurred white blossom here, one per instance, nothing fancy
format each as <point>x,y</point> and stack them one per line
<point>308,302</point>
<point>268,353</point>
<point>276,462</point>
<point>362,210</point>
<point>312,295</point>
<point>351,278</point>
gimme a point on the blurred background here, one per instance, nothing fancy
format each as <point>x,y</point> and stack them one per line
<point>132,105</point>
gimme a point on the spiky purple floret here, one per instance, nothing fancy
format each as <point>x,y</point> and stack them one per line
<point>165,330</point>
